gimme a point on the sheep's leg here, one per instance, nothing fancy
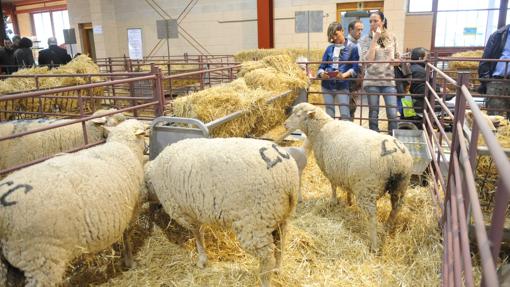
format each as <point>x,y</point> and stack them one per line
<point>50,273</point>
<point>190,224</point>
<point>369,208</point>
<point>397,199</point>
<point>3,271</point>
<point>334,199</point>
<point>128,250</point>
<point>349,198</point>
<point>202,255</point>
<point>279,241</point>
<point>259,243</point>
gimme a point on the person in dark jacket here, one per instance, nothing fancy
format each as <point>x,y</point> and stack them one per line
<point>418,87</point>
<point>334,85</point>
<point>54,55</point>
<point>7,58</point>
<point>23,56</point>
<point>497,47</point>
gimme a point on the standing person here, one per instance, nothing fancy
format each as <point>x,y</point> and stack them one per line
<point>380,45</point>
<point>333,86</point>
<point>7,58</point>
<point>355,29</point>
<point>23,56</point>
<point>54,55</point>
<point>498,47</point>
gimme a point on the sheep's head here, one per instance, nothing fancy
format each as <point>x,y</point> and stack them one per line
<point>302,115</point>
<point>488,120</point>
<point>107,121</point>
<point>130,132</point>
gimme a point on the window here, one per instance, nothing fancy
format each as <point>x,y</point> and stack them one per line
<point>50,24</point>
<point>419,6</point>
<point>465,23</point>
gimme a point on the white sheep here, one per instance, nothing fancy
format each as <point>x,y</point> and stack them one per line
<point>35,146</point>
<point>300,155</point>
<point>54,211</point>
<point>248,184</point>
<point>360,161</point>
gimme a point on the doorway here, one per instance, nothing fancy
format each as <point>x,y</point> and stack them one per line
<point>87,40</point>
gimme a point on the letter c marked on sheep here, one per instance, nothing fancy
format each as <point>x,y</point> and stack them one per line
<point>270,163</point>
<point>3,198</point>
<point>399,146</point>
<point>384,150</point>
<point>284,155</point>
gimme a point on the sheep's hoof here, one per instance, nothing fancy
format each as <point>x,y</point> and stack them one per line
<point>202,263</point>
<point>129,263</point>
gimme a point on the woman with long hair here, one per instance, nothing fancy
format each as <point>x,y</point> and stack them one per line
<point>380,45</point>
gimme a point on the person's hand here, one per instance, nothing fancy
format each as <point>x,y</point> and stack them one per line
<point>324,75</point>
<point>377,34</point>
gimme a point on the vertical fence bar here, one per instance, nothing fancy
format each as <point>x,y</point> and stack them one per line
<point>498,218</point>
<point>158,92</point>
<point>40,109</point>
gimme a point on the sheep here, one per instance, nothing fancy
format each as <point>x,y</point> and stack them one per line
<point>300,155</point>
<point>360,161</point>
<point>35,146</point>
<point>490,120</point>
<point>248,184</point>
<point>56,210</point>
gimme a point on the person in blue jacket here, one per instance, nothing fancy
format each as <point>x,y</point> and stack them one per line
<point>335,87</point>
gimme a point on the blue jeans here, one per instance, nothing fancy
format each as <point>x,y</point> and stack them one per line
<point>373,107</point>
<point>340,96</point>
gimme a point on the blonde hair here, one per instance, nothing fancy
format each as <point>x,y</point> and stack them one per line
<point>332,28</point>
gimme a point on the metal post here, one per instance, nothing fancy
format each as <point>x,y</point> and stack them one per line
<point>158,92</point>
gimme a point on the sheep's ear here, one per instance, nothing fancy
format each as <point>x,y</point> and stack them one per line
<point>99,121</point>
<point>106,130</point>
<point>310,114</point>
<point>139,132</point>
<point>469,115</point>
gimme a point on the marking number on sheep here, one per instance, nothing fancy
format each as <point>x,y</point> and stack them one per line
<point>271,163</point>
<point>3,198</point>
<point>385,151</point>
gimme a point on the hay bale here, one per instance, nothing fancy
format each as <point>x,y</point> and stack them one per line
<point>465,65</point>
<point>262,80</point>
<point>293,53</point>
<point>80,65</point>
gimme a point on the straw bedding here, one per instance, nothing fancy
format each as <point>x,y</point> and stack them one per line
<point>80,65</point>
<point>486,173</point>
<point>326,246</point>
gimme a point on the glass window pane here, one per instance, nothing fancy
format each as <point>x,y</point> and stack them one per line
<point>60,22</point>
<point>43,29</point>
<point>462,29</point>
<point>420,6</point>
<point>467,4</point>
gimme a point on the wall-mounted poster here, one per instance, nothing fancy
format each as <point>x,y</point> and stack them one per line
<point>135,43</point>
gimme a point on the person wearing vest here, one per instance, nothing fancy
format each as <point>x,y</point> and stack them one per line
<point>53,56</point>
<point>334,87</point>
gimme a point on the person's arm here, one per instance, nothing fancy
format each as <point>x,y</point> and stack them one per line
<point>370,56</point>
<point>354,68</point>
<point>322,68</point>
<point>485,67</point>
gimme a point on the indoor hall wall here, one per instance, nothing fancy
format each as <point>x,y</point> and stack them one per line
<point>222,27</point>
<point>418,31</point>
<point>79,12</point>
<point>25,24</point>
